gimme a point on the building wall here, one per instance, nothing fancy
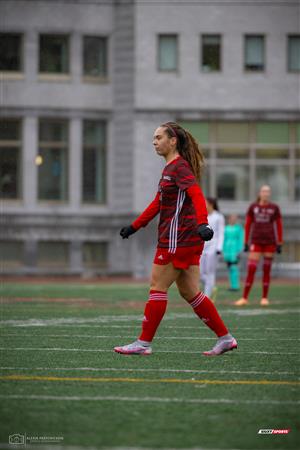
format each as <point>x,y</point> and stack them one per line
<point>232,88</point>
<point>134,100</point>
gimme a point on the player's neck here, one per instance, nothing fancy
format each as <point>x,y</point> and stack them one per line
<point>263,202</point>
<point>171,156</point>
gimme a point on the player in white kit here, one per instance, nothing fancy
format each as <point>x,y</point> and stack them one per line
<point>213,248</point>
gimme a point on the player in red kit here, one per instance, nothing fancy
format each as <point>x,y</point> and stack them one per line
<point>182,230</point>
<point>263,231</point>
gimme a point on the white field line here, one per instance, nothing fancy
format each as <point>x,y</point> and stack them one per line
<point>83,350</point>
<point>127,318</point>
<point>189,338</point>
<point>115,369</point>
<point>150,399</point>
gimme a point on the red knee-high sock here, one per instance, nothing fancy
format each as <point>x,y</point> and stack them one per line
<point>206,310</point>
<point>252,266</point>
<point>154,312</point>
<point>267,265</point>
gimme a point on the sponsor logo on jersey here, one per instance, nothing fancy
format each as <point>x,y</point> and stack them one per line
<point>166,177</point>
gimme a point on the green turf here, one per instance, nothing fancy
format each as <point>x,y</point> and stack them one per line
<point>68,331</point>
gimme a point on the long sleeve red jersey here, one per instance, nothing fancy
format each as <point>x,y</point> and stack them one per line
<point>181,205</point>
<point>261,221</point>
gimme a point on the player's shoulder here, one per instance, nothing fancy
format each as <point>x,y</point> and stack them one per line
<point>252,206</point>
<point>180,162</point>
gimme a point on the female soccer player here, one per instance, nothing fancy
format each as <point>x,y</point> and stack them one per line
<point>261,220</point>
<point>181,231</point>
<point>232,247</point>
<point>213,248</point>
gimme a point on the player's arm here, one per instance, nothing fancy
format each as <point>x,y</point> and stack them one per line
<point>278,224</point>
<point>197,197</point>
<point>221,230</point>
<point>186,181</point>
<point>147,215</point>
<point>248,223</point>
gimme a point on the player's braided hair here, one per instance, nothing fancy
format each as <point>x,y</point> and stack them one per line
<point>187,147</point>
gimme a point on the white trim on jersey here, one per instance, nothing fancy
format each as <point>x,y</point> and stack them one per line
<point>174,222</point>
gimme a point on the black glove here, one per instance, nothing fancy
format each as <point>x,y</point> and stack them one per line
<point>127,231</point>
<point>246,248</point>
<point>279,249</point>
<point>205,232</point>
<point>218,252</point>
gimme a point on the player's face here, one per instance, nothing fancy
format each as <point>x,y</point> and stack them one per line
<point>164,145</point>
<point>265,193</point>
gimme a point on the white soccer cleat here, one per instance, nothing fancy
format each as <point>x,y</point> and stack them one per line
<point>241,302</point>
<point>136,348</point>
<point>223,345</point>
<point>264,302</point>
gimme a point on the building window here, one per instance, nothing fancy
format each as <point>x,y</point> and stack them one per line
<point>52,160</point>
<point>241,156</point>
<point>11,52</point>
<point>10,159</point>
<point>54,54</point>
<point>167,52</point>
<point>294,53</point>
<point>232,182</point>
<point>254,53</point>
<point>94,57</point>
<point>11,255</point>
<point>94,255</point>
<point>53,254</point>
<point>94,162</point>
<point>297,183</point>
<point>277,177</point>
<point>211,53</point>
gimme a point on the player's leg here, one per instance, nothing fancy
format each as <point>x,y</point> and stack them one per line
<point>267,266</point>
<point>203,271</point>
<point>253,261</point>
<point>161,279</point>
<point>188,286</point>
<point>234,275</point>
<point>211,267</point>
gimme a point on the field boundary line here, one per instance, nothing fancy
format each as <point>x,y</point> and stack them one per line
<point>146,380</point>
<point>118,369</point>
<point>149,399</point>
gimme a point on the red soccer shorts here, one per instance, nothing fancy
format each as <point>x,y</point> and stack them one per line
<point>269,248</point>
<point>183,258</point>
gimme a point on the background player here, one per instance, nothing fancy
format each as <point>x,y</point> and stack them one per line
<point>182,229</point>
<point>261,220</point>
<point>232,247</point>
<point>212,249</point>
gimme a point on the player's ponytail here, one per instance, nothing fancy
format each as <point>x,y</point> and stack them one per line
<point>187,147</point>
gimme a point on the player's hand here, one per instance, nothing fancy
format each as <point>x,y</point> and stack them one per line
<point>205,232</point>
<point>246,248</point>
<point>125,232</point>
<point>279,249</point>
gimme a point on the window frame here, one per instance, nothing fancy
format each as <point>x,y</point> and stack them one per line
<point>55,76</point>
<point>19,144</point>
<point>177,38</point>
<point>84,146</point>
<point>97,78</point>
<point>290,35</point>
<point>220,36</point>
<point>16,74</point>
<point>55,144</point>
<point>264,46</point>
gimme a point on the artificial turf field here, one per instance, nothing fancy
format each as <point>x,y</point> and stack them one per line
<point>60,378</point>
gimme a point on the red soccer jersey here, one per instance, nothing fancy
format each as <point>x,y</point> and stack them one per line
<point>260,222</point>
<point>181,205</point>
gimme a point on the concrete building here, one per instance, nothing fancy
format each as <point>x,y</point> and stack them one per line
<point>85,83</point>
